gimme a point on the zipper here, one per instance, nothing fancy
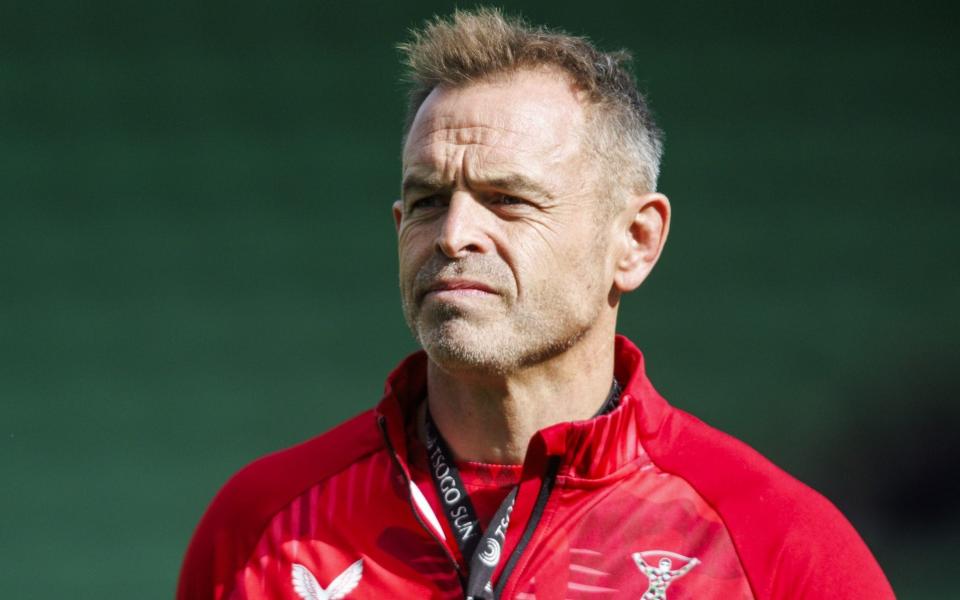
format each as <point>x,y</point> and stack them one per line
<point>382,422</point>
<point>543,496</point>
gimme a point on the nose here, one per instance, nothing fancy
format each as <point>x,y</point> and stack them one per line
<point>462,229</point>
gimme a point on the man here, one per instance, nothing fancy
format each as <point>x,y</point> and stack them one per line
<point>523,453</point>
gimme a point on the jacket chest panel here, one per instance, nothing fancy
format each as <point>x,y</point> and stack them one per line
<point>649,534</point>
<point>362,514</point>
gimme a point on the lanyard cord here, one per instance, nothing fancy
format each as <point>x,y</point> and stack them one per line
<point>463,517</point>
<point>483,550</point>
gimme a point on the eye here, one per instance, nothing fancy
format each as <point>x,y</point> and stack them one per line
<point>432,201</point>
<point>507,200</point>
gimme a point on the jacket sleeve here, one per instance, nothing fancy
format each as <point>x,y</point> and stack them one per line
<point>822,556</point>
<point>792,542</point>
<point>226,536</point>
<point>229,531</point>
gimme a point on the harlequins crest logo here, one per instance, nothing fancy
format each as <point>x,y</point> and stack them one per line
<point>662,568</point>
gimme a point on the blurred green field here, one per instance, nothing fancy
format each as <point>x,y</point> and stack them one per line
<point>197,258</point>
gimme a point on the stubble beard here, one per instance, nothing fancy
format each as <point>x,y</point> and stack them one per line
<point>544,326</point>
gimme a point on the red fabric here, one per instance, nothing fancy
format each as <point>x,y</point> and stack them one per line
<point>236,518</point>
<point>487,484</point>
<point>647,498</point>
<point>794,543</point>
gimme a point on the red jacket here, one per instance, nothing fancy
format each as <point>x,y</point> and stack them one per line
<point>648,502</point>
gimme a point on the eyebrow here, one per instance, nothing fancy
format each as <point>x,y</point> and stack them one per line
<point>518,183</point>
<point>513,183</point>
<point>416,182</point>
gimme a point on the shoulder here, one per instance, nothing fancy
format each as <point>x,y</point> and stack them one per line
<point>269,483</point>
<point>236,517</point>
<point>728,472</point>
<point>788,536</point>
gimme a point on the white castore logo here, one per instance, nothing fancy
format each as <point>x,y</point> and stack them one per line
<point>308,588</point>
<point>664,573</point>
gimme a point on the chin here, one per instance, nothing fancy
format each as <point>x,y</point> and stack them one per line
<point>459,346</point>
<point>463,341</point>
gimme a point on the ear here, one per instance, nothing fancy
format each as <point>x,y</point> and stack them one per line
<point>397,213</point>
<point>644,227</point>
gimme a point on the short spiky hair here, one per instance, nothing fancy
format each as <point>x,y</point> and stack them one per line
<point>471,46</point>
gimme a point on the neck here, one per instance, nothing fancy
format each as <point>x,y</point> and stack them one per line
<point>491,418</point>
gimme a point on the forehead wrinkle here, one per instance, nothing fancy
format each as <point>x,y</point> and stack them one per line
<point>456,106</point>
<point>471,135</point>
<point>446,165</point>
<point>455,140</point>
<point>437,153</point>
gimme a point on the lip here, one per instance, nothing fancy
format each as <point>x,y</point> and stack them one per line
<point>459,286</point>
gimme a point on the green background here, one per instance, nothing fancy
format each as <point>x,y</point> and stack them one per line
<point>197,258</point>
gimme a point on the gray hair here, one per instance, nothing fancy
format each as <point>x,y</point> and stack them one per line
<point>470,46</point>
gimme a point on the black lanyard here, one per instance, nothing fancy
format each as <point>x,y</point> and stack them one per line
<point>483,550</point>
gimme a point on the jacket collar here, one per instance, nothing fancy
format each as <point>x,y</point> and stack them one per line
<point>590,449</point>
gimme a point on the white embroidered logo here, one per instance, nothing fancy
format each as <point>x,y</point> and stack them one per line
<point>662,575</point>
<point>308,588</point>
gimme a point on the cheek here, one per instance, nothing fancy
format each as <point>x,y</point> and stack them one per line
<point>413,248</point>
<point>414,234</point>
<point>584,264</point>
<point>408,265</point>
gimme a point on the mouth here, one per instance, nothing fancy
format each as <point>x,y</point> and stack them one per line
<point>458,287</point>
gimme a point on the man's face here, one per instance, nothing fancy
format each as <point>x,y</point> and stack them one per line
<point>503,252</point>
